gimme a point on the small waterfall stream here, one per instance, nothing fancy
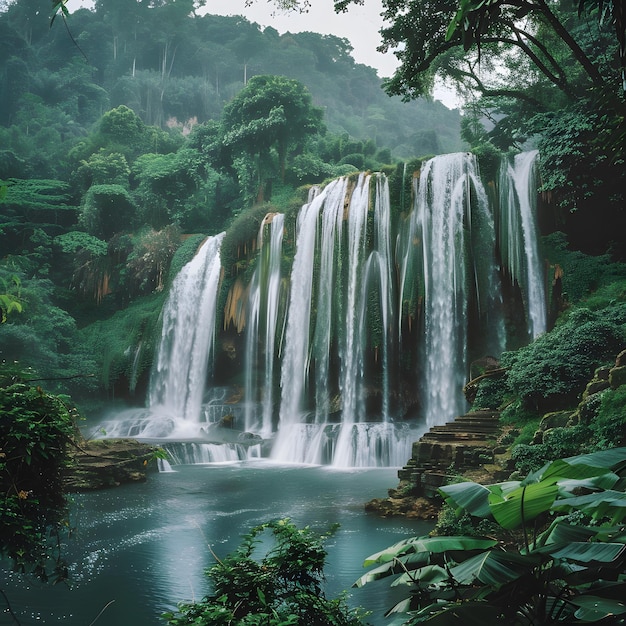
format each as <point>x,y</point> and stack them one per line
<point>178,378</point>
<point>518,236</point>
<point>369,342</point>
<point>263,304</point>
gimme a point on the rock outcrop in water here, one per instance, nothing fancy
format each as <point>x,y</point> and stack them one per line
<point>104,463</point>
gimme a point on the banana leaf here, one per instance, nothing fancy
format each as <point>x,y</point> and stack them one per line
<point>584,552</point>
<point>594,608</point>
<point>463,613</point>
<point>581,466</point>
<point>468,496</point>
<point>600,504</point>
<point>494,568</point>
<point>429,575</point>
<point>522,505</point>
<point>569,486</point>
<point>428,544</point>
<point>395,566</point>
<point>561,531</point>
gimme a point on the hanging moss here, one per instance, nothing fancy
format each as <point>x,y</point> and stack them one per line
<point>489,158</point>
<point>124,344</point>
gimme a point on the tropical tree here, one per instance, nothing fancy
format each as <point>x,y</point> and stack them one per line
<point>559,556</point>
<point>270,112</point>
<point>36,428</point>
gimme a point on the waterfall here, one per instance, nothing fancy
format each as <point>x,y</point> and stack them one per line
<point>351,354</point>
<point>518,236</point>
<point>180,368</point>
<point>263,304</point>
<point>342,264</point>
<point>290,445</point>
<point>383,313</point>
<point>449,199</point>
<point>182,359</point>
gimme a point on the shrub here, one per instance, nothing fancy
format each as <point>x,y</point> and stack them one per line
<point>551,372</point>
<point>281,588</point>
<point>582,273</point>
<point>609,427</point>
<point>35,430</point>
<point>491,394</point>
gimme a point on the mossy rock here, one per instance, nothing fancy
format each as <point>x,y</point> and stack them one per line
<point>104,463</point>
<point>557,419</point>
<point>617,376</point>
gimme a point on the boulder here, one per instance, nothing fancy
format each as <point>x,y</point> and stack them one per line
<point>103,463</point>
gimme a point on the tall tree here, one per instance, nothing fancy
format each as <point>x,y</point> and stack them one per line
<point>270,112</point>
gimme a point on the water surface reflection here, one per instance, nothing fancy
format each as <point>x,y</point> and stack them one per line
<point>144,548</point>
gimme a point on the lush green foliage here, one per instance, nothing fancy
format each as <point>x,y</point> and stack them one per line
<point>45,337</point>
<point>35,430</point>
<point>529,70</point>
<point>557,571</point>
<point>582,274</point>
<point>123,345</point>
<point>552,371</point>
<point>280,587</point>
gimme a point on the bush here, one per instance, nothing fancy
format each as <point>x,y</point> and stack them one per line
<point>491,394</point>
<point>609,427</point>
<point>551,372</point>
<point>582,273</point>
<point>125,343</point>
<point>35,430</point>
<point>281,588</point>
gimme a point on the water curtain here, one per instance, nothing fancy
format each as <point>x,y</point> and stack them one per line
<point>376,321</point>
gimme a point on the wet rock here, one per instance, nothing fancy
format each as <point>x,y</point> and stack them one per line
<point>104,463</point>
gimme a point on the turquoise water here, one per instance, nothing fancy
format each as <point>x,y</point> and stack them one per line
<point>138,550</point>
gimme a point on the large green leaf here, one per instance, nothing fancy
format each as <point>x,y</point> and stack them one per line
<point>494,568</point>
<point>561,531</point>
<point>468,496</point>
<point>463,613</point>
<point>584,552</point>
<point>429,575</point>
<point>583,465</point>
<point>395,566</point>
<point>429,544</point>
<point>569,486</point>
<point>595,608</point>
<point>608,503</point>
<point>522,505</point>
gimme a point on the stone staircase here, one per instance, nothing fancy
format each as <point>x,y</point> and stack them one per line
<point>455,447</point>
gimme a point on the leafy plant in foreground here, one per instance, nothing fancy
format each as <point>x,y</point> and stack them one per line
<point>35,430</point>
<point>545,568</point>
<point>283,587</point>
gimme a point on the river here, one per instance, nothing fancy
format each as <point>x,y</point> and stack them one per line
<point>141,549</point>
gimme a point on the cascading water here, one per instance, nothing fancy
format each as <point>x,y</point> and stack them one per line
<point>331,304</point>
<point>369,335</point>
<point>263,305</point>
<point>518,236</point>
<point>449,198</point>
<point>294,439</point>
<point>179,372</point>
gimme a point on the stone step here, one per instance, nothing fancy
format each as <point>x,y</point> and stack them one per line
<point>459,443</point>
